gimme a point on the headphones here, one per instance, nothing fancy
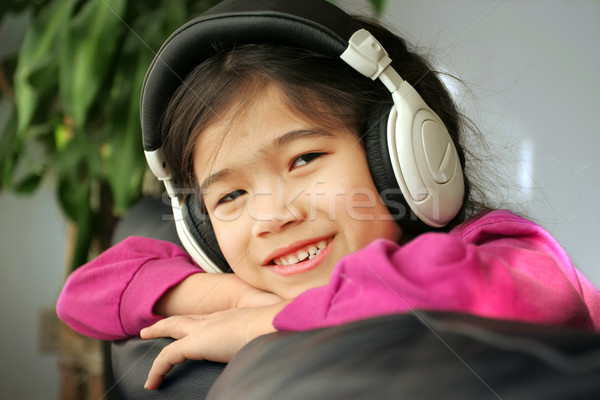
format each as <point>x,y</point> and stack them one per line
<point>408,147</point>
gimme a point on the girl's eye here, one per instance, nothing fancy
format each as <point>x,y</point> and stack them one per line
<point>230,196</point>
<point>305,159</point>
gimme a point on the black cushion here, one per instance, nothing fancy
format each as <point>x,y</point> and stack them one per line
<point>418,356</point>
<point>132,359</point>
<point>413,356</point>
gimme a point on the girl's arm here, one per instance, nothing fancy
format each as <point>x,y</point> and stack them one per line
<point>137,282</point>
<point>498,266</point>
<point>220,292</point>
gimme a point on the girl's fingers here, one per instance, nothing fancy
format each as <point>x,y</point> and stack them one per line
<point>158,329</point>
<point>171,355</point>
<point>176,327</point>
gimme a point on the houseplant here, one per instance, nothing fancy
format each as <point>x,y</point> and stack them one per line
<point>75,90</point>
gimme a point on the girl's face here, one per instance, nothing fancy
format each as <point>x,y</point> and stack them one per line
<point>287,198</point>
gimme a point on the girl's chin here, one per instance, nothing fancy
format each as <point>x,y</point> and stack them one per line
<point>291,291</point>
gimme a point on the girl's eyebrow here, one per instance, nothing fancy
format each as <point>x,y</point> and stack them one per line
<point>288,137</point>
<point>214,178</point>
<point>275,146</point>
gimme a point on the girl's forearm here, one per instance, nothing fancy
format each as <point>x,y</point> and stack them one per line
<point>205,293</point>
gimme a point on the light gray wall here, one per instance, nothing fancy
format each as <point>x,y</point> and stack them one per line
<point>32,260</point>
<point>533,67</point>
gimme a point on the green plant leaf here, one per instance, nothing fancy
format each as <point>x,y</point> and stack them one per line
<point>7,147</point>
<point>122,154</point>
<point>83,237</point>
<point>23,163</point>
<point>62,136</point>
<point>44,78</point>
<point>8,168</point>
<point>91,42</point>
<point>75,179</point>
<point>378,6</point>
<point>28,185</point>
<point>36,56</point>
<point>73,175</point>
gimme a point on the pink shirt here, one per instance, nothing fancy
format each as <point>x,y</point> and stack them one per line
<point>497,265</point>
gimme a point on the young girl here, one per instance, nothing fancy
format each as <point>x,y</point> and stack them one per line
<point>305,187</point>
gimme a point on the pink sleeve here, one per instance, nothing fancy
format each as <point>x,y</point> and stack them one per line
<point>500,266</point>
<point>113,296</point>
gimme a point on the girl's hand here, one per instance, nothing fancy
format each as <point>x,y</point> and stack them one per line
<point>215,337</point>
<point>252,297</point>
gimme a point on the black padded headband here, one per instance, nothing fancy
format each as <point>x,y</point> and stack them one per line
<point>312,24</point>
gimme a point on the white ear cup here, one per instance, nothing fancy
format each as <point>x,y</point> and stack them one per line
<point>424,159</point>
<point>162,170</point>
<point>189,240</point>
<point>422,154</point>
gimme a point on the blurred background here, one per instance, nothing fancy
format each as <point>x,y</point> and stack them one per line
<point>529,80</point>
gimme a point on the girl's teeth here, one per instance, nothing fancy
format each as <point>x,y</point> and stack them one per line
<point>302,255</point>
<point>311,252</point>
<point>292,260</point>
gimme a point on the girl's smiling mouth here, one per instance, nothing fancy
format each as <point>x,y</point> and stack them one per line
<point>300,257</point>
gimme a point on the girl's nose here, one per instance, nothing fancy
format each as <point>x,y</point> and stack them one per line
<point>275,212</point>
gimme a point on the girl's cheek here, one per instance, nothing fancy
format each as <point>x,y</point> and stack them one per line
<point>229,212</point>
<point>361,205</point>
<point>232,236</point>
<point>347,200</point>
